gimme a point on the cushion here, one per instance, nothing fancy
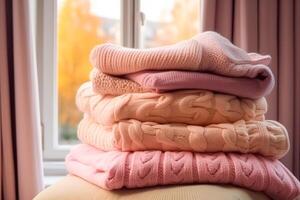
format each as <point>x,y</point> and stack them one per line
<point>74,188</point>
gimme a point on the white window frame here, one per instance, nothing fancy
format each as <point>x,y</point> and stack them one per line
<point>131,20</point>
<point>47,62</point>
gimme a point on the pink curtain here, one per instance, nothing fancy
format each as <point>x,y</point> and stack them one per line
<point>269,27</point>
<point>20,135</point>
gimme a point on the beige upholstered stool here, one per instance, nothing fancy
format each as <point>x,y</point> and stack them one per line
<point>74,188</point>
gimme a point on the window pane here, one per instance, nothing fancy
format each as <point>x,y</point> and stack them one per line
<point>169,21</point>
<point>82,24</point>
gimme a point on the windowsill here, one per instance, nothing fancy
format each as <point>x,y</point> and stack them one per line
<point>53,170</point>
<point>50,180</point>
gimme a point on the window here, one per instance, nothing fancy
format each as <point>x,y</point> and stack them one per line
<point>170,21</point>
<point>81,24</point>
<point>68,29</point>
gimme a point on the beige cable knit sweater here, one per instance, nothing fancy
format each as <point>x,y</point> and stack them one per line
<point>268,138</point>
<point>198,107</point>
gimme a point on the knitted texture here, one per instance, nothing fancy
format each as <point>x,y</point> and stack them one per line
<point>206,52</point>
<point>113,85</point>
<point>114,170</point>
<point>197,107</point>
<point>268,138</point>
<point>117,60</point>
<point>162,81</point>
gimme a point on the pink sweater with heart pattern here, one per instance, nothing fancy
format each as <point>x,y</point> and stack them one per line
<point>114,170</point>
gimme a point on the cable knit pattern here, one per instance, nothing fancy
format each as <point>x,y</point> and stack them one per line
<point>197,107</point>
<point>268,138</point>
<point>114,170</point>
<point>206,52</point>
<point>163,81</point>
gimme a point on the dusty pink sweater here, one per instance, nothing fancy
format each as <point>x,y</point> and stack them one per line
<point>114,170</point>
<point>163,81</point>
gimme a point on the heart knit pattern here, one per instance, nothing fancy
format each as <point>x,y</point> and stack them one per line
<point>115,169</point>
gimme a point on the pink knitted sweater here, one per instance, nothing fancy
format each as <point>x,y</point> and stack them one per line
<point>112,85</point>
<point>114,170</point>
<point>162,81</point>
<point>206,52</point>
<point>199,107</point>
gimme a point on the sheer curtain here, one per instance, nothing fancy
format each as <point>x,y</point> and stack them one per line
<point>269,27</point>
<point>20,135</point>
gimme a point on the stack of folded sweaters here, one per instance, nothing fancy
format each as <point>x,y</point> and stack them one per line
<point>192,112</point>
